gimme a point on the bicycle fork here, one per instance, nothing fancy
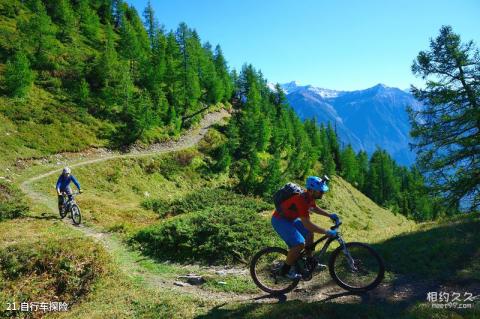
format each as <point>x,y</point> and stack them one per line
<point>350,260</point>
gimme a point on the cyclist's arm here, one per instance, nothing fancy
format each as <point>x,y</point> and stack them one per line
<point>74,180</point>
<point>318,210</point>
<point>58,185</point>
<point>311,226</point>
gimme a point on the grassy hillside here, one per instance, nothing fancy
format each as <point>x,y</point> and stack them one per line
<point>151,196</point>
<point>126,195</point>
<point>44,124</point>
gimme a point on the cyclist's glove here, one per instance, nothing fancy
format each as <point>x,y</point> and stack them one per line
<point>334,217</point>
<point>332,233</point>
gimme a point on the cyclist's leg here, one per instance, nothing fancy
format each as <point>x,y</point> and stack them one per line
<point>308,235</point>
<point>292,237</point>
<point>68,190</point>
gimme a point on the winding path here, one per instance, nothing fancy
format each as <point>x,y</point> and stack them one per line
<point>311,291</point>
<point>128,261</point>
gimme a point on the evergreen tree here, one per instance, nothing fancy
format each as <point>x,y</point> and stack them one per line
<point>362,161</point>
<point>224,159</point>
<point>189,51</point>
<point>151,23</point>
<point>226,82</point>
<point>446,130</point>
<point>382,185</point>
<point>272,180</point>
<point>64,17</point>
<point>334,146</point>
<point>133,44</point>
<point>350,169</point>
<point>39,36</point>
<point>18,75</point>
<point>138,116</point>
<point>83,92</point>
<point>89,20</point>
<point>106,72</point>
<point>210,83</point>
<point>173,79</point>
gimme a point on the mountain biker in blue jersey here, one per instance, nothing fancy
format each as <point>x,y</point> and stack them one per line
<point>63,186</point>
<point>293,225</point>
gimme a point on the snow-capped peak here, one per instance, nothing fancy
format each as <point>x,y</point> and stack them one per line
<point>290,86</point>
<point>325,93</point>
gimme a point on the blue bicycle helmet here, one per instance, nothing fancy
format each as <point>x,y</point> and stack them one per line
<point>317,184</point>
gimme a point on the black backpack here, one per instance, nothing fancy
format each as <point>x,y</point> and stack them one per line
<point>284,193</point>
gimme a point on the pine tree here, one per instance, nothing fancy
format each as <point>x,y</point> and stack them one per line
<point>65,18</point>
<point>151,23</point>
<point>382,185</point>
<point>362,161</point>
<point>39,36</point>
<point>446,129</point>
<point>272,180</point>
<point>224,159</point>
<point>209,81</point>
<point>107,69</point>
<point>172,78</point>
<point>349,165</point>
<point>83,92</point>
<point>189,51</point>
<point>18,75</point>
<point>226,81</point>
<point>334,146</point>
<point>89,20</point>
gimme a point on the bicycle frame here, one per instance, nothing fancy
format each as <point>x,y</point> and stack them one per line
<point>320,254</point>
<point>66,200</point>
<point>324,248</point>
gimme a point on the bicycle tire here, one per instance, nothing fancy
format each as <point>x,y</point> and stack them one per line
<point>258,282</point>
<point>62,212</point>
<point>75,220</point>
<point>379,276</point>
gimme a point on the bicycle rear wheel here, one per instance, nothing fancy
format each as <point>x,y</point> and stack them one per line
<point>359,268</point>
<point>265,270</point>
<point>63,212</point>
<point>76,215</point>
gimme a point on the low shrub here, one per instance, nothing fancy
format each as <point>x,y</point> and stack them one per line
<point>214,236</point>
<point>12,202</point>
<point>205,198</point>
<point>50,269</point>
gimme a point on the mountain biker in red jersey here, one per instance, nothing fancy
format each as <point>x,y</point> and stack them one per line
<point>294,226</point>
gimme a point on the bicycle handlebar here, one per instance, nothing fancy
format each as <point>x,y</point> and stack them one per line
<point>337,224</point>
<point>73,193</point>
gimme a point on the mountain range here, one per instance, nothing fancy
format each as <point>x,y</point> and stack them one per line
<point>365,118</point>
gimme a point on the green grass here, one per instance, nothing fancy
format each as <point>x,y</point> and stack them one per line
<point>43,124</point>
<point>41,260</point>
<point>115,189</point>
<point>12,201</point>
<point>40,256</point>
<point>230,283</point>
<point>444,251</point>
<point>175,196</point>
<point>333,310</point>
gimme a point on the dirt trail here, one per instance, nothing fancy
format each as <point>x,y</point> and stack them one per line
<point>127,262</point>
<point>319,289</point>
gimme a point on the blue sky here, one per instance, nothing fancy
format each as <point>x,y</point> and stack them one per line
<point>344,45</point>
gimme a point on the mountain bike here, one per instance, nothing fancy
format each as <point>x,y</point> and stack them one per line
<point>70,206</point>
<point>354,266</point>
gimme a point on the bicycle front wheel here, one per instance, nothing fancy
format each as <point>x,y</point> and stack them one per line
<point>265,271</point>
<point>357,267</point>
<point>76,215</point>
